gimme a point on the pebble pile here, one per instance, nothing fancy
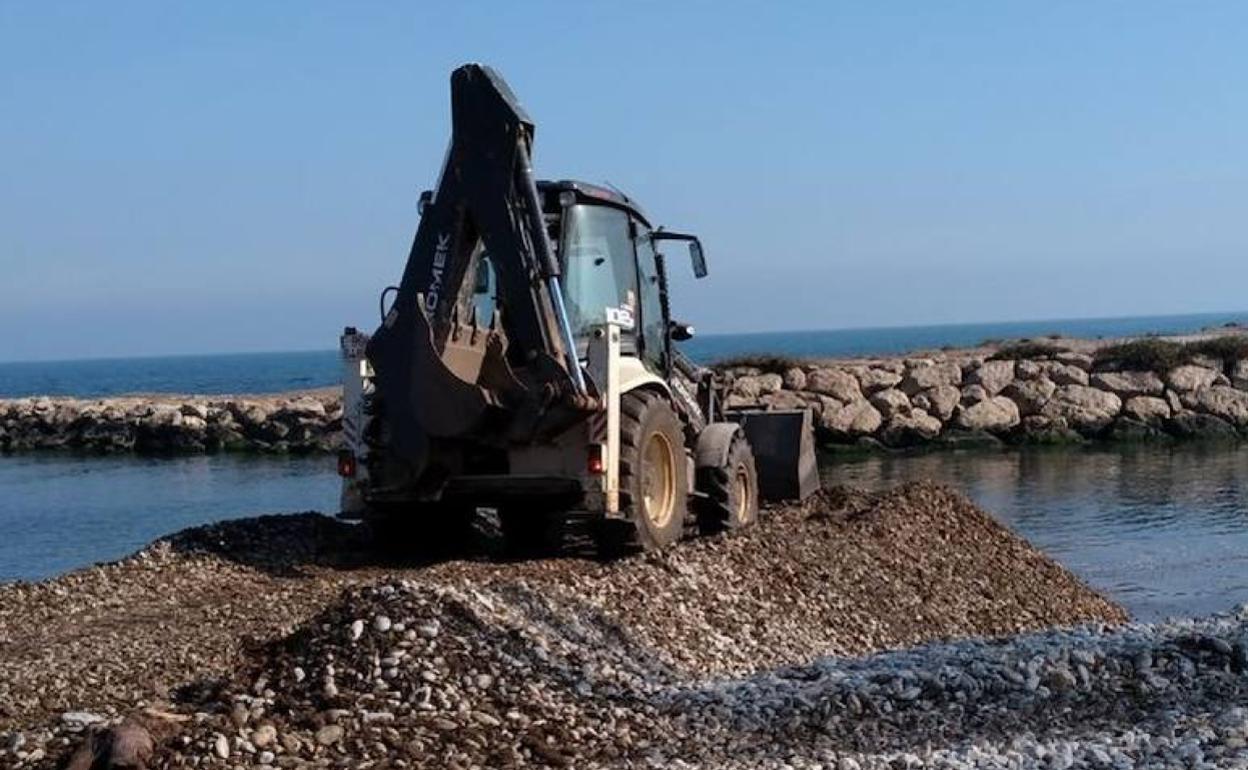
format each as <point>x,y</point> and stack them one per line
<point>285,642</point>
<point>410,675</point>
<point>960,398</point>
<point>310,422</point>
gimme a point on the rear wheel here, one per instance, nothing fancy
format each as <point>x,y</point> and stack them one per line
<point>653,475</point>
<point>731,490</point>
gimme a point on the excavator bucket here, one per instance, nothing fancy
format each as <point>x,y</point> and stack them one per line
<point>784,451</point>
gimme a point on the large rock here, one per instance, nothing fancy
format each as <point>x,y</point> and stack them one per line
<point>922,374</point>
<point>973,394</point>
<point>1065,374</point>
<point>755,385</point>
<point>1147,409</point>
<point>993,376</point>
<point>1084,408</point>
<point>1030,395</point>
<point>836,383</point>
<point>795,378</point>
<point>1201,426</point>
<point>913,427</point>
<point>1081,360</point>
<point>783,399</point>
<point>891,402</point>
<point>857,418</point>
<point>994,415</point>
<point>1128,384</point>
<point>1223,402</point>
<point>1189,377</point>
<point>873,379</point>
<point>1039,429</point>
<point>1239,374</point>
<point>939,401</point>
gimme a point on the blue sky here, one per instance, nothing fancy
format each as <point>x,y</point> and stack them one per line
<point>199,177</point>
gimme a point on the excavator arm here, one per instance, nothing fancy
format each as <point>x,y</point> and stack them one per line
<point>440,375</point>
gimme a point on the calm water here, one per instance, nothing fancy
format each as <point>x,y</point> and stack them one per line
<point>276,372</point>
<point>59,512</point>
<point>1163,531</point>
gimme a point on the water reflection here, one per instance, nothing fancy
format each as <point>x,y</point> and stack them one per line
<point>1160,528</point>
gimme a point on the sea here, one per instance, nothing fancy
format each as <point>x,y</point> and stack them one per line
<point>284,371</point>
<point>1161,529</point>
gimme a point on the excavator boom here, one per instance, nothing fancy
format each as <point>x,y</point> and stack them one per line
<point>442,373</point>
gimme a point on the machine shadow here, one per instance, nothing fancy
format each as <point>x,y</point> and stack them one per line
<point>290,545</point>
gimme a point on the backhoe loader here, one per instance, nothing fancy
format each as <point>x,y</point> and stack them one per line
<point>527,363</point>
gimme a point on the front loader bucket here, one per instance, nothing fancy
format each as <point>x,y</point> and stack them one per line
<point>784,451</point>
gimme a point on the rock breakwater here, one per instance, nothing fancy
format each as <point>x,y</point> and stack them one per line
<point>1023,394</point>
<point>304,422</point>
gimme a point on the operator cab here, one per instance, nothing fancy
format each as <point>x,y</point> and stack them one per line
<point>611,269</point>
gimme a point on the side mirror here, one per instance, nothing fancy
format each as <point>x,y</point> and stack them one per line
<point>699,259</point>
<point>680,332</point>
<point>695,248</point>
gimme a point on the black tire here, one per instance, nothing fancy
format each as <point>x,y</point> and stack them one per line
<point>731,490</point>
<point>423,530</point>
<point>649,430</point>
<point>532,530</point>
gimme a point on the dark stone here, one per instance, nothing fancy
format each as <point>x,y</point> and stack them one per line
<point>1205,427</point>
<point>1127,429</point>
<point>966,439</point>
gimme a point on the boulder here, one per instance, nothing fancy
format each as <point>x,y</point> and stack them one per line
<point>913,427</point>
<point>973,394</point>
<point>1127,429</point>
<point>1030,395</point>
<point>194,410</point>
<point>1239,374</point>
<point>1065,374</point>
<point>746,387</point>
<point>1190,377</point>
<point>857,418</point>
<point>1081,360</point>
<point>994,415</point>
<point>1201,426</point>
<point>1084,408</point>
<point>1223,402</point>
<point>795,378</point>
<point>922,374</point>
<point>836,383</point>
<point>873,379</point>
<point>767,383</point>
<point>890,402</point>
<point>1029,370</point>
<point>1174,401</point>
<point>993,376</point>
<point>783,399</point>
<point>1039,429</point>
<point>1147,409</point>
<point>939,401</point>
<point>1128,384</point>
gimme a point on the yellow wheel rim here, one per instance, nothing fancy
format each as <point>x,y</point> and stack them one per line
<point>744,494</point>
<point>658,480</point>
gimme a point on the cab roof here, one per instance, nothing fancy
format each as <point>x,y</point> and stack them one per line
<point>592,193</point>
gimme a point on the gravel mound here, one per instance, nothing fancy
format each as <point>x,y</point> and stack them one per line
<point>283,640</point>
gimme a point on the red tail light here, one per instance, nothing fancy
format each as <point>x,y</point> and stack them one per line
<point>346,464</point>
<point>595,463</point>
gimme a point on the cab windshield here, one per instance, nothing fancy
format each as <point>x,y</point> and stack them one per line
<point>599,269</point>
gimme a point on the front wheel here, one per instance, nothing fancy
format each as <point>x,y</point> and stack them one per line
<point>654,486</point>
<point>731,490</point>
